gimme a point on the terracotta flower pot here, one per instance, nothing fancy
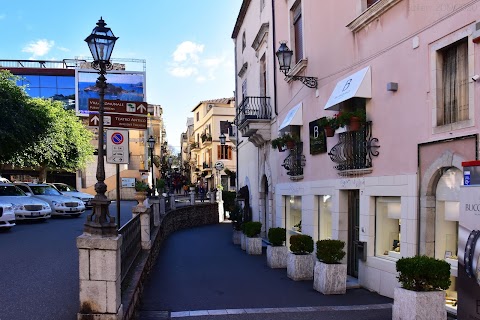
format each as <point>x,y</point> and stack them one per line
<point>290,144</point>
<point>355,124</point>
<point>329,131</point>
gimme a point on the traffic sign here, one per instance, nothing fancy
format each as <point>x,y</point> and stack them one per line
<point>118,106</point>
<point>117,146</point>
<point>219,165</point>
<point>119,121</point>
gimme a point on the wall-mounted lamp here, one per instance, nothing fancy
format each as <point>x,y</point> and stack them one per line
<point>223,139</point>
<point>284,56</point>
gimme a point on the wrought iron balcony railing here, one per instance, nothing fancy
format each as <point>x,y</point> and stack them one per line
<point>355,149</point>
<point>295,162</point>
<point>254,108</point>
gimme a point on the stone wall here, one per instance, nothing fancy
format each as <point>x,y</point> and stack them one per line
<point>181,218</point>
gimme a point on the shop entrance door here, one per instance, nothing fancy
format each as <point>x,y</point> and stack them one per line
<point>353,232</point>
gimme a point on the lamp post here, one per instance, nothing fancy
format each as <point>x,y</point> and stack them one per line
<point>151,146</point>
<point>101,42</point>
<point>284,56</point>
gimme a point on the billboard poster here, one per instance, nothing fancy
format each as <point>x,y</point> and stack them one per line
<point>121,85</point>
<point>468,281</point>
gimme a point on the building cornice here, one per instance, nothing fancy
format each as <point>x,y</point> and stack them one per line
<point>261,34</point>
<point>371,14</point>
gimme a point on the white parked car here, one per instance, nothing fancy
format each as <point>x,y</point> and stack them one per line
<point>7,216</point>
<point>61,205</point>
<point>25,207</point>
<point>72,192</point>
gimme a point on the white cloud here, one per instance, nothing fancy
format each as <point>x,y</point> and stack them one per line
<point>39,48</point>
<point>187,61</point>
<point>187,51</point>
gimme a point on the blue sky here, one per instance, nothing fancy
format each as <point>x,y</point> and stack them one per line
<point>187,44</point>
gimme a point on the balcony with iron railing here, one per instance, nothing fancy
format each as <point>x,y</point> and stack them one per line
<point>354,151</point>
<point>253,114</point>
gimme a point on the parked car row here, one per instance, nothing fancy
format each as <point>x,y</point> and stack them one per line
<point>32,201</point>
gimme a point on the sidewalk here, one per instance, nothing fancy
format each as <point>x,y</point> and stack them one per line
<point>200,274</point>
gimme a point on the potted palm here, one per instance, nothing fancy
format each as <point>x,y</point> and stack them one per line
<point>421,295</point>
<point>299,259</point>
<point>330,276</point>
<point>254,242</point>
<point>278,143</point>
<point>276,250</point>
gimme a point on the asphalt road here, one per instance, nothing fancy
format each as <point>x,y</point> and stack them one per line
<point>39,267</point>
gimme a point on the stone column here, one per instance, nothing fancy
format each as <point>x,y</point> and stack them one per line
<point>172,201</point>
<point>100,277</point>
<point>192,197</point>
<point>155,207</point>
<point>220,206</point>
<point>162,205</point>
<point>144,225</point>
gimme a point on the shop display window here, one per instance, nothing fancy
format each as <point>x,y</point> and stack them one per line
<point>324,217</point>
<point>293,215</point>
<point>447,213</point>
<point>387,227</point>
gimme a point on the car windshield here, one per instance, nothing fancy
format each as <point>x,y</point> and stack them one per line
<point>11,191</point>
<point>45,190</point>
<point>65,187</point>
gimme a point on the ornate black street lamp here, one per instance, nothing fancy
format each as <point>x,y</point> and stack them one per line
<point>284,56</point>
<point>223,139</point>
<point>101,43</point>
<point>151,146</point>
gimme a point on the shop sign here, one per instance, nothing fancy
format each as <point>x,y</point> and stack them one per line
<point>318,140</point>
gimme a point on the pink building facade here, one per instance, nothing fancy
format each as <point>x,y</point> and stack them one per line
<point>390,189</point>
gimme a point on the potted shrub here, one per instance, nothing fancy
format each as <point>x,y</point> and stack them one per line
<point>329,124</point>
<point>161,183</point>
<point>278,143</point>
<point>141,190</point>
<point>330,276</point>
<point>352,119</point>
<point>299,260</point>
<point>236,216</point>
<point>254,242</point>
<point>421,295</point>
<point>290,140</point>
<point>276,250</point>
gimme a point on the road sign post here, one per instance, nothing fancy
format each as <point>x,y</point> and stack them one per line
<point>117,146</point>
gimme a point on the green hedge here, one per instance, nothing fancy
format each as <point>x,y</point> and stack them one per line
<point>252,228</point>
<point>277,236</point>
<point>422,273</point>
<point>301,244</point>
<point>330,251</point>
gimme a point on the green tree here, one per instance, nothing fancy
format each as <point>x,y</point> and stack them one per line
<point>65,145</point>
<point>22,122</point>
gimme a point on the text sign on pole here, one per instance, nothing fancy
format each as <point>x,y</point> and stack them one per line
<point>117,146</point>
<point>118,106</point>
<point>119,121</point>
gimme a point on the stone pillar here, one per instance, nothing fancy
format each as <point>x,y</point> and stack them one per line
<point>220,206</point>
<point>162,205</point>
<point>212,197</point>
<point>155,207</point>
<point>144,225</point>
<point>100,277</point>
<point>192,197</point>
<point>172,201</point>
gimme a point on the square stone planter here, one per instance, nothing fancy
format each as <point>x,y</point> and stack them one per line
<point>300,267</point>
<point>254,246</point>
<point>237,236</point>
<point>243,243</point>
<point>277,257</point>
<point>330,278</point>
<point>409,304</point>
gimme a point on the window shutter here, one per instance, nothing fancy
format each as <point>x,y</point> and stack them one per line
<point>229,153</point>
<point>219,152</point>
